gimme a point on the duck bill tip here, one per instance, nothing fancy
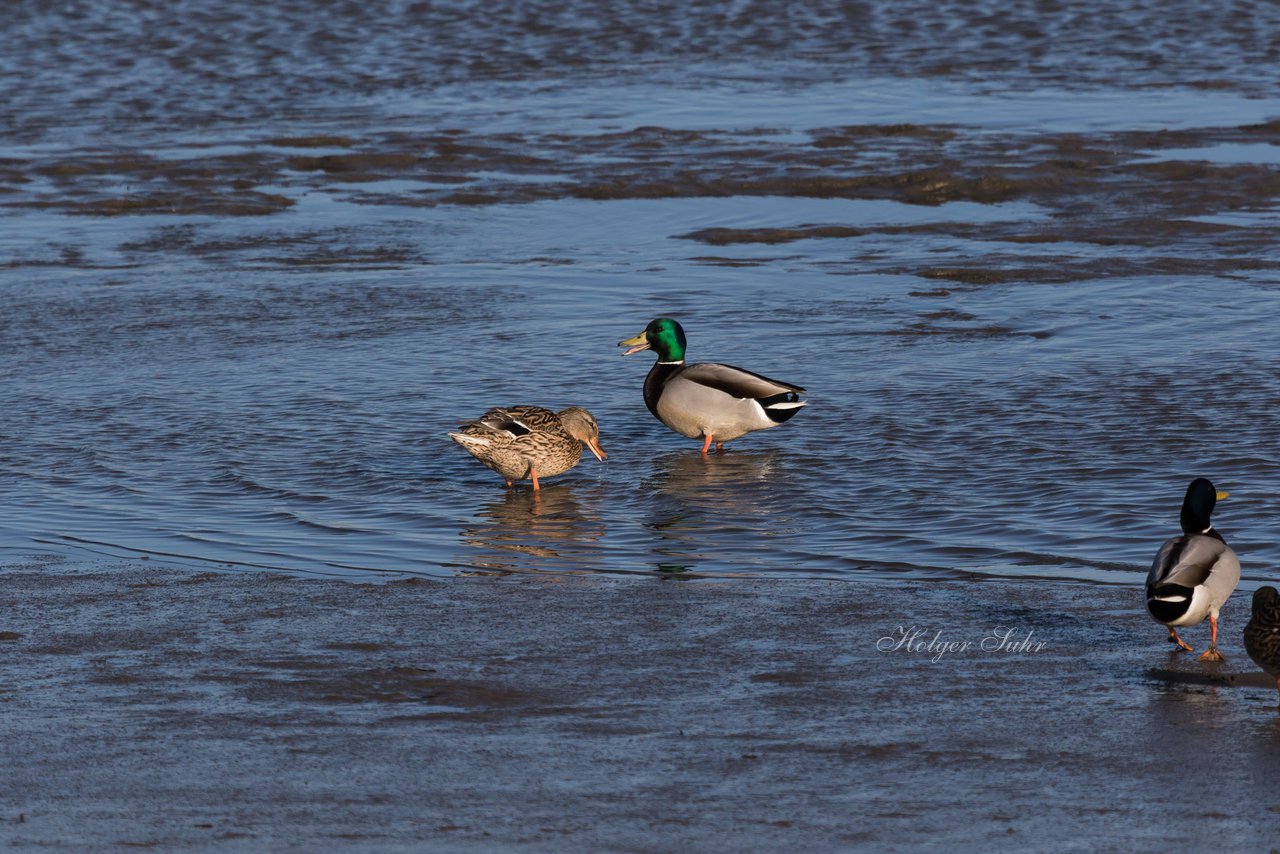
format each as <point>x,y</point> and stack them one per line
<point>636,344</point>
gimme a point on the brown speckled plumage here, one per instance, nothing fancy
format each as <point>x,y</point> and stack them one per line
<point>1262,634</point>
<point>520,442</point>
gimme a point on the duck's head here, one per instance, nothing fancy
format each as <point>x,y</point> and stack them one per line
<point>1266,605</point>
<point>1198,506</point>
<point>663,336</point>
<point>582,426</point>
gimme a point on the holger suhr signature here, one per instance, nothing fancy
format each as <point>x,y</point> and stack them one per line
<point>933,643</point>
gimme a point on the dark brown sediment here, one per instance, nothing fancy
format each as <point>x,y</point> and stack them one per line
<point>179,710</point>
<point>1106,190</point>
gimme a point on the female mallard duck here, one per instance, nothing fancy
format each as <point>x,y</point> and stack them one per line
<point>708,401</point>
<point>1262,634</point>
<point>1193,574</point>
<point>529,441</point>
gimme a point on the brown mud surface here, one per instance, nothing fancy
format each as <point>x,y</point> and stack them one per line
<point>157,709</point>
<point>1103,190</point>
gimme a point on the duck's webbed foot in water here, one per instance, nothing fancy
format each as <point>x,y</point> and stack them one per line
<point>1173,638</point>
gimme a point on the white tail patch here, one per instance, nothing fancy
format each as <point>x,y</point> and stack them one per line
<point>470,441</point>
<point>792,404</point>
<point>1169,598</point>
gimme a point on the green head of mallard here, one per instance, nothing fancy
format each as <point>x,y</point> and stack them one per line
<point>663,336</point>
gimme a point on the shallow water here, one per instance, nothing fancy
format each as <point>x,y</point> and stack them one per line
<point>257,262</point>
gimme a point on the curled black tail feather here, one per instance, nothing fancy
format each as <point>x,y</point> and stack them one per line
<point>1168,611</point>
<point>781,407</point>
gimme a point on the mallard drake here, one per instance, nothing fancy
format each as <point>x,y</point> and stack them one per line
<point>1262,634</point>
<point>529,441</point>
<point>708,401</point>
<point>1193,574</point>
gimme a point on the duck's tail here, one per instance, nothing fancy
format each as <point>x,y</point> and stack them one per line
<point>1169,602</point>
<point>471,443</point>
<point>781,407</point>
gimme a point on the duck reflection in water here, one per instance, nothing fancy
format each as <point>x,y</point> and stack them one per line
<point>548,530</point>
<point>713,508</point>
<point>687,474</point>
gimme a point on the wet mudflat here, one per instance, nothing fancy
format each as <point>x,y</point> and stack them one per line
<point>171,710</point>
<point>256,261</point>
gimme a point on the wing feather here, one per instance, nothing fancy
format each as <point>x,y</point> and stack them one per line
<point>1188,561</point>
<point>514,420</point>
<point>736,382</point>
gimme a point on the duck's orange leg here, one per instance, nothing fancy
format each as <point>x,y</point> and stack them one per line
<point>1173,636</point>
<point>511,484</point>
<point>706,444</point>
<point>533,473</point>
<point>1212,654</point>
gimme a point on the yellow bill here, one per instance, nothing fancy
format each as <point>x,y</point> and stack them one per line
<point>640,342</point>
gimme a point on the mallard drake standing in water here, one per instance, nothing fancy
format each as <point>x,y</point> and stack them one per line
<point>1193,574</point>
<point>1262,634</point>
<point>521,442</point>
<point>708,401</point>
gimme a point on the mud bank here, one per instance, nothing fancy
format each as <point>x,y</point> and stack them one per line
<point>151,708</point>
<point>1144,203</point>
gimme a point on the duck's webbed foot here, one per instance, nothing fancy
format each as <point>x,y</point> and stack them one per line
<point>1212,654</point>
<point>1183,645</point>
